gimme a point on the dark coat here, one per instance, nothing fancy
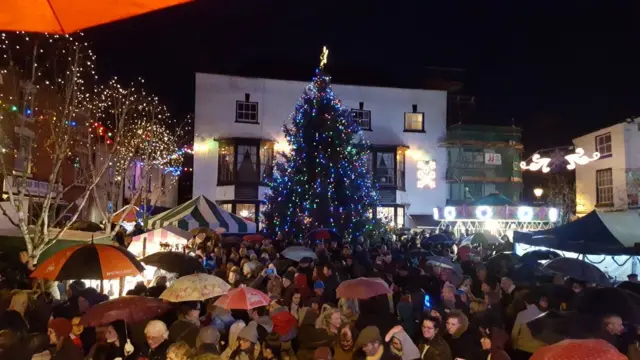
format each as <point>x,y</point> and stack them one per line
<point>465,345</point>
<point>438,349</point>
<point>68,351</point>
<point>182,330</point>
<point>159,353</point>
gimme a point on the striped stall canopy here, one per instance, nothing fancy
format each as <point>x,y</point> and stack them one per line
<point>150,242</point>
<point>202,212</point>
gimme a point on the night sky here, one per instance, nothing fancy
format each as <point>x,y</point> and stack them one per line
<point>558,68</point>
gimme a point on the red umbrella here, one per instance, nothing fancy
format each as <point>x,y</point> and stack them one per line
<point>244,298</point>
<point>322,234</point>
<point>362,288</point>
<point>67,16</point>
<point>590,349</point>
<point>253,238</point>
<point>91,261</point>
<point>131,309</point>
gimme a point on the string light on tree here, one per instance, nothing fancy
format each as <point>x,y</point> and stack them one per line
<point>322,180</point>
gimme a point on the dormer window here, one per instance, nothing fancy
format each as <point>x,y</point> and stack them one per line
<point>414,120</point>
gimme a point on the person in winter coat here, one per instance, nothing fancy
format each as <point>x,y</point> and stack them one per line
<point>158,341</point>
<point>309,337</point>
<point>208,341</point>
<point>463,342</point>
<point>187,327</point>
<point>493,341</point>
<point>233,339</point>
<point>65,349</point>
<point>248,347</point>
<point>370,343</point>
<point>432,346</point>
<point>14,318</point>
<point>344,348</point>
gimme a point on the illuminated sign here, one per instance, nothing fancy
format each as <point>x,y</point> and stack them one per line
<point>426,174</point>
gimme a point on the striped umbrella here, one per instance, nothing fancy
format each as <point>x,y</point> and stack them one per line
<point>91,261</point>
<point>202,212</point>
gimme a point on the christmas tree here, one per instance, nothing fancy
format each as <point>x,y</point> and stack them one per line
<point>323,180</point>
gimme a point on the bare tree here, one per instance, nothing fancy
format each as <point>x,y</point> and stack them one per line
<point>562,195</point>
<point>47,80</point>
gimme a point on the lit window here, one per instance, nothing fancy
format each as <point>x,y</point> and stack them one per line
<point>414,121</point>
<point>23,160</point>
<point>246,211</point>
<point>363,117</point>
<point>266,161</point>
<point>604,186</point>
<point>400,172</point>
<point>603,144</point>
<point>247,112</point>
<point>247,162</point>
<point>400,217</point>
<point>226,207</point>
<point>225,162</point>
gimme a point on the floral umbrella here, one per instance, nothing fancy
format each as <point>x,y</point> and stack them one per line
<point>196,287</point>
<point>68,16</point>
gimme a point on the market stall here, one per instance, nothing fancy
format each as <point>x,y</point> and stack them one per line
<point>201,212</point>
<point>168,238</point>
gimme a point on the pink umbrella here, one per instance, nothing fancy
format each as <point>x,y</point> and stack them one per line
<point>244,298</point>
<point>362,288</point>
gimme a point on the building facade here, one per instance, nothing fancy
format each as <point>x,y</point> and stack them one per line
<point>238,126</point>
<point>612,182</point>
<point>482,160</point>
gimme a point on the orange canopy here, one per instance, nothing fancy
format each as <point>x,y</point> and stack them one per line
<point>67,16</point>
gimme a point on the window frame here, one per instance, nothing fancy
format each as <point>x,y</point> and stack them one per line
<point>359,119</point>
<point>604,144</point>
<point>395,208</point>
<point>599,197</point>
<point>234,143</point>
<point>233,206</point>
<point>421,130</point>
<point>397,151</point>
<point>243,121</point>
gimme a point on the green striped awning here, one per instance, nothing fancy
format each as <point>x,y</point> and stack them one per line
<point>201,212</point>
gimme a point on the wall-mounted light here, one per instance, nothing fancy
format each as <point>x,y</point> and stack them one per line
<point>426,174</point>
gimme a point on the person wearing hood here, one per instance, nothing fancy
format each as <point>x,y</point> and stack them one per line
<point>372,348</point>
<point>59,331</point>
<point>247,347</point>
<point>463,342</point>
<point>187,327</point>
<point>432,345</point>
<point>233,339</point>
<point>158,341</point>
<point>493,341</point>
<point>208,341</point>
<point>401,344</point>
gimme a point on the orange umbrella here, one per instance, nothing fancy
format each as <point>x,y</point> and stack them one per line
<point>92,261</point>
<point>68,16</point>
<point>590,349</point>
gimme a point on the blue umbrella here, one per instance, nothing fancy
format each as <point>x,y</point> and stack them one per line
<point>577,269</point>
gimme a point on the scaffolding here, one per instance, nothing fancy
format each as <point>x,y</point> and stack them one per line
<point>498,227</point>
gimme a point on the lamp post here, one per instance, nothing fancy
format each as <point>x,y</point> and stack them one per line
<point>538,192</point>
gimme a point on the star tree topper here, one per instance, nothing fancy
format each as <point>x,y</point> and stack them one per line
<point>324,56</point>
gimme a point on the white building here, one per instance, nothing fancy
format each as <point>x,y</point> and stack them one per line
<point>613,181</point>
<point>239,121</point>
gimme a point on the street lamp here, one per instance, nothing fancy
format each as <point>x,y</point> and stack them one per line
<point>538,192</point>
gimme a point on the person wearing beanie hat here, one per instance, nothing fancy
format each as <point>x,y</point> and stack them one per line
<point>370,341</point>
<point>208,340</point>
<point>323,353</point>
<point>65,349</point>
<point>248,346</point>
<point>318,288</point>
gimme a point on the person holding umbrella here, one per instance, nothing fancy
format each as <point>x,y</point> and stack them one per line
<point>187,327</point>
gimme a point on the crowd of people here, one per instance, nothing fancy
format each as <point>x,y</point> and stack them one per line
<point>433,313</point>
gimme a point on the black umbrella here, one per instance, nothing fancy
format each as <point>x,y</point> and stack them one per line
<point>556,294</point>
<point>552,327</point>
<point>87,226</point>
<point>502,261</point>
<point>577,269</point>
<point>603,301</point>
<point>630,286</point>
<point>175,262</point>
<point>539,255</point>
